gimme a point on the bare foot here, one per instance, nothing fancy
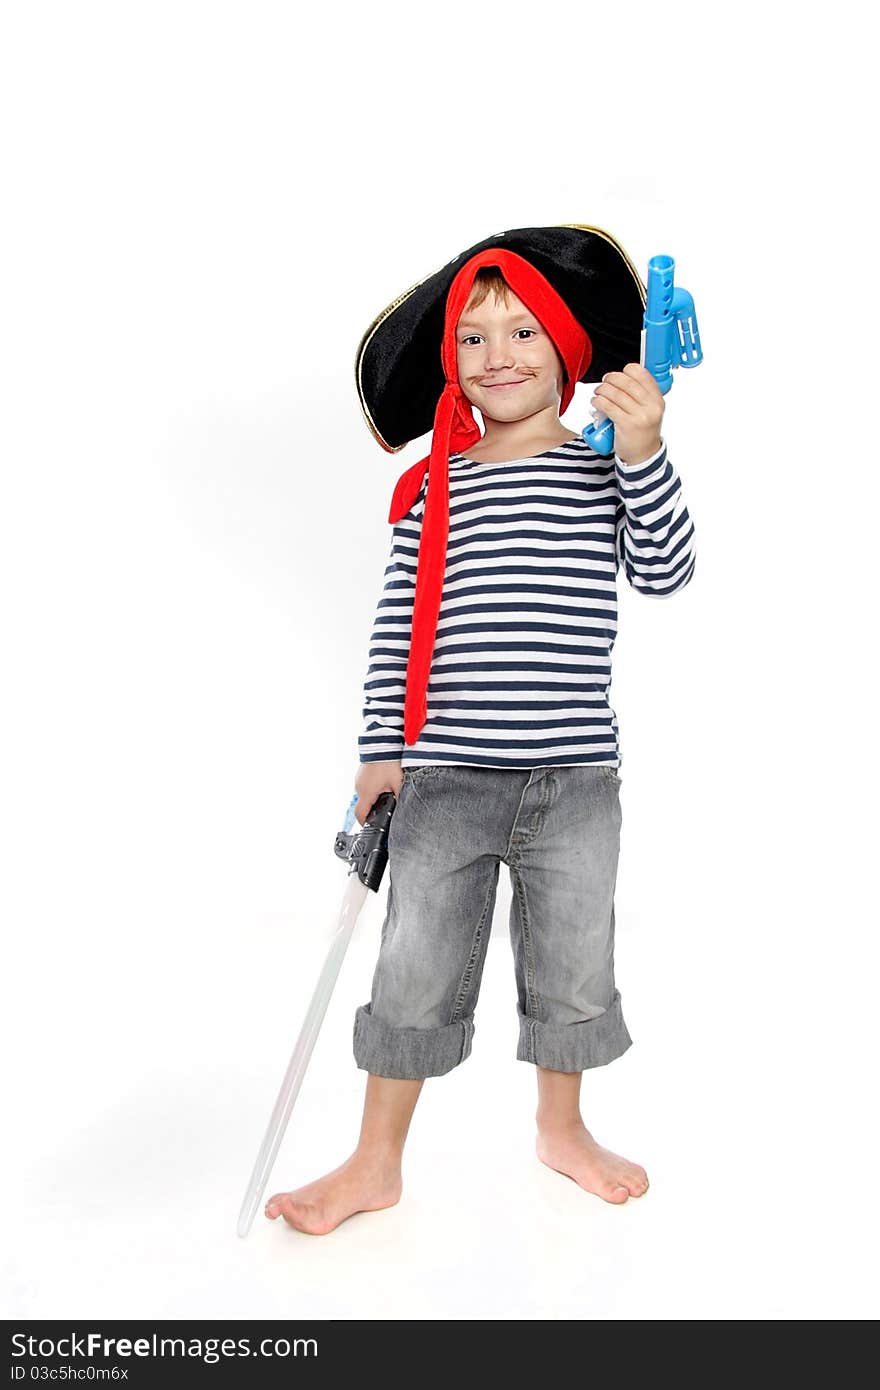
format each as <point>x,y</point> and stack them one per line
<point>574,1152</point>
<point>356,1185</point>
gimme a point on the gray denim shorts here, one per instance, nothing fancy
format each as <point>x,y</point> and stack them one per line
<point>558,830</point>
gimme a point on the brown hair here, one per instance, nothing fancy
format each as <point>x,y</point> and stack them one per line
<point>488,279</point>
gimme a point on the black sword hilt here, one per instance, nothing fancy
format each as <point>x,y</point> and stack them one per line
<point>366,850</point>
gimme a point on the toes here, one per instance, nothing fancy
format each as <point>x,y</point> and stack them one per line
<point>303,1216</point>
<point>272,1208</point>
<point>635,1186</point>
<point>618,1194</point>
<point>283,1204</point>
<point>292,1211</point>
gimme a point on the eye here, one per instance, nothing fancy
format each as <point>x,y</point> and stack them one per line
<point>474,337</point>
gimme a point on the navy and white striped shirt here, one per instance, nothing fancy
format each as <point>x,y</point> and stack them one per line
<point>521,668</point>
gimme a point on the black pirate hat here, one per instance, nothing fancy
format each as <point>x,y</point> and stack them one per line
<point>398,368</point>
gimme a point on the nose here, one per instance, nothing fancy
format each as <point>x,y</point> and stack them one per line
<point>499,353</point>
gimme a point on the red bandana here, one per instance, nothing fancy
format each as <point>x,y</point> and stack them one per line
<point>455,430</point>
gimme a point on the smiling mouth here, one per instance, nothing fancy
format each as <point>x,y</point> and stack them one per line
<point>503,385</point>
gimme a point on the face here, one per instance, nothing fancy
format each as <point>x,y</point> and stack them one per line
<point>498,343</point>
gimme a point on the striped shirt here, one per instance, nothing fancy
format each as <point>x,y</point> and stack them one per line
<point>521,670</point>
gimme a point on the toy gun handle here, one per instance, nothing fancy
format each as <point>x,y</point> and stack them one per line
<point>670,338</point>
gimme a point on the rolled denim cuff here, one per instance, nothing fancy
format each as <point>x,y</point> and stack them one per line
<point>409,1053</point>
<point>574,1046</point>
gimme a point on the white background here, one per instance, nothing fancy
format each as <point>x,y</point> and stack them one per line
<point>206,206</point>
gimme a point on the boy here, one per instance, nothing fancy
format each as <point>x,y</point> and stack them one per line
<point>500,604</point>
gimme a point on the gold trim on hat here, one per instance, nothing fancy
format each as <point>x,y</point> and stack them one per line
<point>628,261</point>
<point>395,304</point>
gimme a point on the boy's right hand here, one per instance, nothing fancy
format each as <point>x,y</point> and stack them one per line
<point>373,779</point>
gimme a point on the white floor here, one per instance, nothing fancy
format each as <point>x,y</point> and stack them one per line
<point>136,1139</point>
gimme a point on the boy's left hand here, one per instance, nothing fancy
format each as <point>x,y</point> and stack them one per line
<point>633,401</point>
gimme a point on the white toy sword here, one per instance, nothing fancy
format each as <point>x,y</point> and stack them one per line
<point>367,853</point>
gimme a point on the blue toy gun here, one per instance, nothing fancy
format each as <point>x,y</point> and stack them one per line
<point>670,338</point>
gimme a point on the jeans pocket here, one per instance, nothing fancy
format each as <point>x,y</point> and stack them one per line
<point>612,775</point>
<point>418,774</point>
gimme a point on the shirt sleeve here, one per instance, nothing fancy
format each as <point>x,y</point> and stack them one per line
<point>654,532</point>
<point>381,737</point>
